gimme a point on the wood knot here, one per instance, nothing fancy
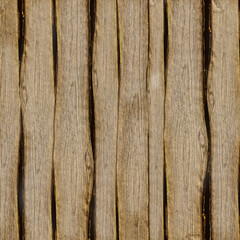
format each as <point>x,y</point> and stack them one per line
<point>202,138</point>
<point>24,96</point>
<point>211,100</point>
<point>88,161</point>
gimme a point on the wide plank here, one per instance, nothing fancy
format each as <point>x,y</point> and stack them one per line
<point>105,89</point>
<point>156,95</point>
<point>132,155</point>
<point>9,119</point>
<point>37,102</point>
<point>73,160</point>
<point>224,112</point>
<point>185,131</point>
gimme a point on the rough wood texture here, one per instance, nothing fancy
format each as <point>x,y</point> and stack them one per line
<point>224,109</point>
<point>132,156</point>
<point>37,102</point>
<point>105,89</point>
<point>185,133</point>
<point>9,119</point>
<point>156,94</point>
<point>73,161</point>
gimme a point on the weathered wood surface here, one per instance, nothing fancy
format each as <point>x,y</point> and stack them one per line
<point>105,89</point>
<point>148,120</point>
<point>156,93</point>
<point>73,160</point>
<point>9,119</point>
<point>224,111</point>
<point>37,103</point>
<point>132,155</point>
<point>185,130</point>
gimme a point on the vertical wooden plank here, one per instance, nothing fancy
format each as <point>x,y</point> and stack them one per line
<point>73,161</point>
<point>9,119</point>
<point>156,119</point>
<point>224,109</point>
<point>185,133</point>
<point>132,156</point>
<point>37,101</point>
<point>105,89</point>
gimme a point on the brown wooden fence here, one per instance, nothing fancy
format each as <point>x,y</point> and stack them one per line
<point>119,119</point>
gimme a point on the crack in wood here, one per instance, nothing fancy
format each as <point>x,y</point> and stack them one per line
<point>206,62</point>
<point>165,83</point>
<point>92,12</point>
<point>55,58</point>
<point>20,180</point>
<point>54,223</point>
<point>21,22</point>
<point>54,43</point>
<point>119,84</point>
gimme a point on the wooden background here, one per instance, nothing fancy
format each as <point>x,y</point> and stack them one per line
<point>119,119</point>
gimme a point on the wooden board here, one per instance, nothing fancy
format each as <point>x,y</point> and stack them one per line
<point>37,102</point>
<point>132,156</point>
<point>148,105</point>
<point>9,119</point>
<point>73,161</point>
<point>105,88</point>
<point>185,133</point>
<point>224,111</point>
<point>156,88</point>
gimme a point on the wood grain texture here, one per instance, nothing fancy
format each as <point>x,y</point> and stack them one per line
<point>132,156</point>
<point>224,111</point>
<point>185,133</point>
<point>37,102</point>
<point>73,160</point>
<point>9,119</point>
<point>156,95</point>
<point>105,89</point>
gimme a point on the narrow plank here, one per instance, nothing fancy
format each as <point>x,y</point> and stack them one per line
<point>37,102</point>
<point>224,111</point>
<point>105,89</point>
<point>73,160</point>
<point>132,156</point>
<point>9,119</point>
<point>185,132</point>
<point>156,119</point>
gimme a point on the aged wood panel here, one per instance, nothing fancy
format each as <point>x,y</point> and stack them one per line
<point>105,89</point>
<point>132,156</point>
<point>73,161</point>
<point>224,109</point>
<point>9,119</point>
<point>37,102</point>
<point>185,133</point>
<point>156,88</point>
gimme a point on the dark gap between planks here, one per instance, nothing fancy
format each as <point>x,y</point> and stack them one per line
<point>91,219</point>
<point>21,182</point>
<point>21,22</point>
<point>119,85</point>
<point>54,42</point>
<point>147,90</point>
<point>55,48</point>
<point>206,215</point>
<point>54,224</point>
<point>239,147</point>
<point>165,83</point>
